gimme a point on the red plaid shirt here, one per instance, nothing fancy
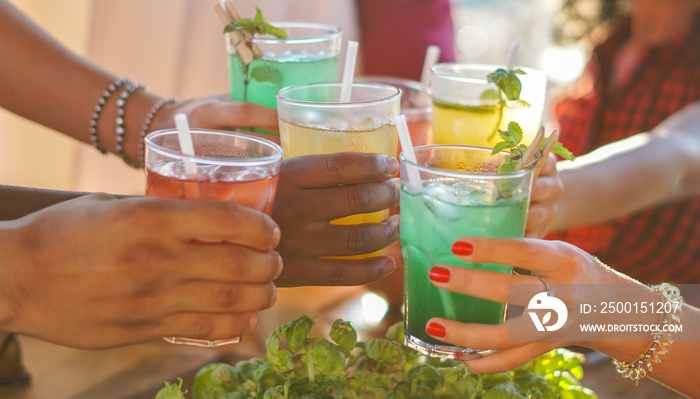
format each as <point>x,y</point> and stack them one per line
<point>660,243</point>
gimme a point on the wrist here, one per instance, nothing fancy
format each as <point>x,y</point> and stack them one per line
<point>117,125</point>
<point>10,268</point>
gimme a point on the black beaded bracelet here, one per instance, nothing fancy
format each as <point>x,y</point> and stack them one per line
<point>121,101</point>
<point>98,109</point>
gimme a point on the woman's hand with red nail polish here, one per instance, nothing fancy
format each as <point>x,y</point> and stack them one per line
<point>556,262</point>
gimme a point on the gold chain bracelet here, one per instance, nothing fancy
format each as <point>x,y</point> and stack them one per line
<point>660,340</point>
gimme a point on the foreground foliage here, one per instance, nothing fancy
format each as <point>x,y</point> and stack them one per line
<point>308,367</point>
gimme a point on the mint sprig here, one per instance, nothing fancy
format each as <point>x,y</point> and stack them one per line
<point>509,87</point>
<point>508,82</point>
<point>511,143</point>
<point>256,25</point>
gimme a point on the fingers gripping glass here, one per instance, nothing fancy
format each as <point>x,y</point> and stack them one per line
<point>230,166</point>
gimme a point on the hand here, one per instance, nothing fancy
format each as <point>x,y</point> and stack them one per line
<point>217,113</point>
<point>314,190</point>
<point>97,272</point>
<point>554,261</point>
<point>546,190</point>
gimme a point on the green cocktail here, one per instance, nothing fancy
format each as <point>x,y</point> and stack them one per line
<point>460,195</point>
<point>309,54</point>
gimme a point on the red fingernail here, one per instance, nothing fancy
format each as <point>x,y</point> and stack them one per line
<point>436,330</point>
<point>440,274</point>
<point>462,248</point>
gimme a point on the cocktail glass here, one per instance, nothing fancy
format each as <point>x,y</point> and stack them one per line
<point>313,121</point>
<point>415,106</point>
<point>309,54</point>
<point>468,109</point>
<point>231,166</point>
<point>458,193</point>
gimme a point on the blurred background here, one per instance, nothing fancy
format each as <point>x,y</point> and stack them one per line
<point>176,48</point>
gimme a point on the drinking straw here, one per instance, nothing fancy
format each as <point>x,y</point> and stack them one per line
<point>513,55</point>
<point>432,55</point>
<point>348,71</point>
<point>407,149</point>
<point>186,147</point>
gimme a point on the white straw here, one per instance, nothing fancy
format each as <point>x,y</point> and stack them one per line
<point>186,146</point>
<point>348,71</point>
<point>432,55</point>
<point>407,149</point>
<point>513,55</point>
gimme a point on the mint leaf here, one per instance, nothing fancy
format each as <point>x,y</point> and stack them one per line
<point>511,142</point>
<point>500,147</point>
<point>562,152</point>
<point>516,131</point>
<point>508,82</point>
<point>509,166</point>
<point>264,73</point>
<point>258,19</point>
<point>245,24</point>
<point>256,25</point>
<point>274,31</point>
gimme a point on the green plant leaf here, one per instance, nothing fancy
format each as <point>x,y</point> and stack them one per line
<point>297,331</point>
<point>258,19</point>
<point>344,335</point>
<point>516,131</point>
<point>274,31</point>
<point>562,152</point>
<point>508,82</point>
<point>171,391</point>
<point>381,368</point>
<point>500,147</point>
<point>256,25</point>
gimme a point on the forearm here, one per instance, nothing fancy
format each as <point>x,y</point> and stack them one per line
<point>625,177</point>
<point>16,202</point>
<point>678,369</point>
<point>42,81</point>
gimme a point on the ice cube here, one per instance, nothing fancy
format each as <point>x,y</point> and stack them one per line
<point>209,172</point>
<point>473,193</point>
<point>439,200</point>
<point>248,176</point>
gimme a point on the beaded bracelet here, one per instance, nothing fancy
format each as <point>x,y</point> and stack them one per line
<point>98,109</point>
<point>130,88</point>
<point>660,340</point>
<point>146,125</point>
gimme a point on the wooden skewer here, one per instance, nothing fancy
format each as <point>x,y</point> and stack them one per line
<point>532,150</point>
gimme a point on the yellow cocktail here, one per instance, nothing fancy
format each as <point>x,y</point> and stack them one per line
<point>468,109</point>
<point>313,121</point>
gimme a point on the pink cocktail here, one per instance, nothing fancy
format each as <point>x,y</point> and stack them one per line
<point>229,166</point>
